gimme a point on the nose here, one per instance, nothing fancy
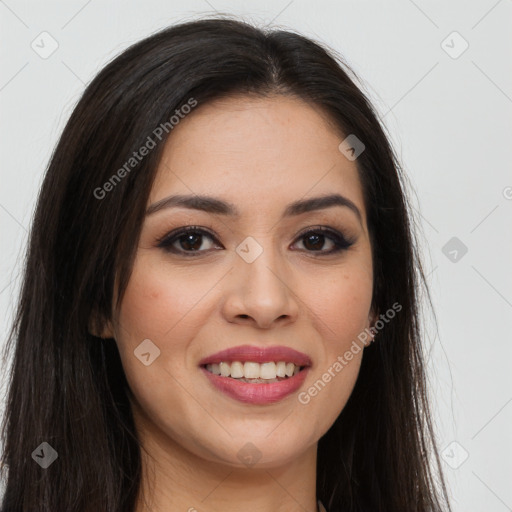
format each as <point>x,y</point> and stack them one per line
<point>261,292</point>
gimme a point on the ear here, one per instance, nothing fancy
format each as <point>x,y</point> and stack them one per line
<point>100,328</point>
<point>372,318</point>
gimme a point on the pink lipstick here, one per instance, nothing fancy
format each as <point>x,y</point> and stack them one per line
<point>258,392</point>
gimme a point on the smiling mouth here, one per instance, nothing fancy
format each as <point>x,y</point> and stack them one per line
<point>254,373</point>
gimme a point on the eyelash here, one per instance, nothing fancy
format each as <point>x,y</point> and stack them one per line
<point>340,242</point>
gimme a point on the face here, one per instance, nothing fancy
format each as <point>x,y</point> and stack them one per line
<point>257,277</point>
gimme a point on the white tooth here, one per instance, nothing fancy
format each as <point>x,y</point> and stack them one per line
<point>280,369</point>
<point>237,370</point>
<point>214,368</point>
<point>224,369</point>
<point>251,370</point>
<point>268,370</point>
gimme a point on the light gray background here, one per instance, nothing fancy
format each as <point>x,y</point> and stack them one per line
<point>450,121</point>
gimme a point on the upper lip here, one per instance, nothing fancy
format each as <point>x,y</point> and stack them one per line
<point>244,353</point>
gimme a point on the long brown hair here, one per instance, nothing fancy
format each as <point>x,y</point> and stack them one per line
<point>67,388</point>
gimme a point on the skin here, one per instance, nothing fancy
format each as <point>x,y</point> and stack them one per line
<point>260,154</point>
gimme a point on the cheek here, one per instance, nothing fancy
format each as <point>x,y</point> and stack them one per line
<point>168,306</point>
<point>341,305</point>
<point>163,307</point>
<point>340,310</point>
<point>159,303</point>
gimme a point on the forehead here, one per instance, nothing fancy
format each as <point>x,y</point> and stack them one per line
<point>257,153</point>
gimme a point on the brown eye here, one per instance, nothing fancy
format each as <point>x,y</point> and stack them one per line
<point>190,241</point>
<point>315,239</point>
<point>187,241</point>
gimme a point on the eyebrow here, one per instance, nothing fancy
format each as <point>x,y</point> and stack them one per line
<point>218,206</point>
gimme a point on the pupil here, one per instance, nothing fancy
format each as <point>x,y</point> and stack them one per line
<point>317,241</point>
<point>189,239</point>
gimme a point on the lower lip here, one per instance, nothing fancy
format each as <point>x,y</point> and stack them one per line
<point>257,393</point>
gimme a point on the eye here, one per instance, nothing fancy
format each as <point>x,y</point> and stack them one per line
<point>314,240</point>
<point>188,239</point>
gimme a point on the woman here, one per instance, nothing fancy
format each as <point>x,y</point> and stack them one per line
<point>220,235</point>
